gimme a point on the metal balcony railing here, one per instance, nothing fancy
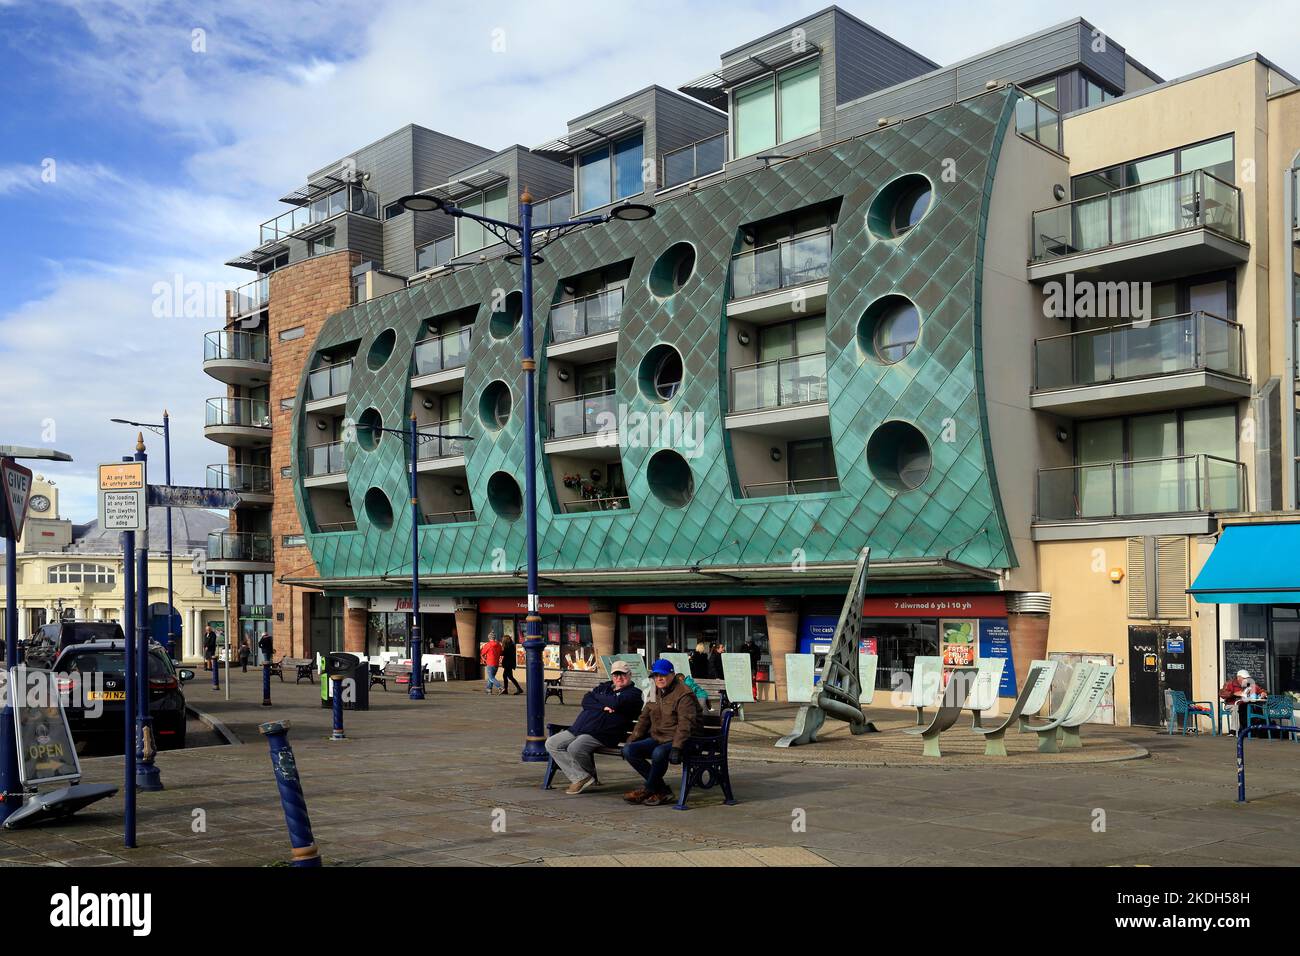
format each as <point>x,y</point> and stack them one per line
<point>700,158</point>
<point>434,442</point>
<point>328,526</point>
<point>782,265</point>
<point>557,208</point>
<point>1178,343</point>
<point>448,517</point>
<point>791,381</point>
<point>246,412</point>
<point>1038,121</point>
<point>586,315</point>
<point>438,353</point>
<point>325,458</point>
<point>240,546</point>
<point>584,415</point>
<point>230,345</point>
<point>353,199</point>
<point>1185,484</point>
<point>248,479</point>
<point>329,381</point>
<point>1192,200</point>
<point>799,486</point>
<point>584,505</point>
<point>250,297</point>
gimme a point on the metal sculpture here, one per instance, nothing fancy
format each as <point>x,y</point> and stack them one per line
<point>838,692</point>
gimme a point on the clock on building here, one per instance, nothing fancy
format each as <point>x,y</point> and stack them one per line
<point>39,503</point>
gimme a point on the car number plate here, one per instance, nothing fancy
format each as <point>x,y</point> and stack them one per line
<point>106,695</point>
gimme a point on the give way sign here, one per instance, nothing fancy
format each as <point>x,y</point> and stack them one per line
<point>17,482</point>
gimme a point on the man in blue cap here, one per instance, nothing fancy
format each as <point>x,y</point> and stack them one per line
<point>665,724</point>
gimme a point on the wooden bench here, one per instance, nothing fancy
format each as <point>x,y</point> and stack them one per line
<point>579,682</point>
<point>704,758</point>
<point>302,668</point>
<point>400,673</point>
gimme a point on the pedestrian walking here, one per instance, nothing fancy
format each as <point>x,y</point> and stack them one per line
<point>508,667</point>
<point>209,647</point>
<point>489,656</point>
<point>245,652</point>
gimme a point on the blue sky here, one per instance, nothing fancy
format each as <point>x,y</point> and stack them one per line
<point>134,150</point>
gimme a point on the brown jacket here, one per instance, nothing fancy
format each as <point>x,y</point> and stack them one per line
<point>673,715</point>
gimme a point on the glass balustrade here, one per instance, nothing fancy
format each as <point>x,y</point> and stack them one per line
<point>691,162</point>
<point>584,415</point>
<point>437,353</point>
<point>586,315</point>
<point>1185,484</point>
<point>230,345</point>
<point>791,381</point>
<point>782,265</point>
<point>329,381</point>
<point>246,412</point>
<point>239,546</point>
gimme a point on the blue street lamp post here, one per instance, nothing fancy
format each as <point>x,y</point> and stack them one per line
<point>412,436</point>
<point>147,776</point>
<point>524,232</point>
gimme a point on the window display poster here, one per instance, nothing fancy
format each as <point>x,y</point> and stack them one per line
<point>995,641</point>
<point>957,643</point>
<point>866,645</point>
<point>551,656</point>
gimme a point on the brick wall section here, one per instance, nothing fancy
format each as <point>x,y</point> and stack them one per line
<point>305,294</point>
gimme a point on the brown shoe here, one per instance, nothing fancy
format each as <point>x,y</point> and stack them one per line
<point>662,798</point>
<point>580,785</point>
<point>636,796</point>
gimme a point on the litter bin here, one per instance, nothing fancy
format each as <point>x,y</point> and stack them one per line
<point>355,677</point>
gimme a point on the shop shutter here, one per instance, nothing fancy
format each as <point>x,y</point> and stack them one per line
<point>1171,577</point>
<point>1136,577</point>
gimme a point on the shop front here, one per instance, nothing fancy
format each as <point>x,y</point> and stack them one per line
<point>388,625</point>
<point>651,628</point>
<point>566,626</point>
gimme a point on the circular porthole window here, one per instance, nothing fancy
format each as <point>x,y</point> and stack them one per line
<point>494,406</point>
<point>672,270</point>
<point>379,510</point>
<point>504,496</point>
<point>889,329</point>
<point>380,349</point>
<point>670,478</point>
<point>503,323</point>
<point>660,374</point>
<point>369,429</point>
<point>899,456</point>
<point>900,206</point>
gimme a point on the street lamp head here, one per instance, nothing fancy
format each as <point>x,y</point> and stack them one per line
<point>422,202</point>
<point>515,258</point>
<point>25,451</point>
<point>632,212</point>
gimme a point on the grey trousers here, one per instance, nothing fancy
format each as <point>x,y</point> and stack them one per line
<point>572,754</point>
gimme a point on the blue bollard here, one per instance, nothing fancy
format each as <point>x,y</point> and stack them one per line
<point>291,795</point>
<point>338,709</point>
<point>266,684</point>
<point>216,674</point>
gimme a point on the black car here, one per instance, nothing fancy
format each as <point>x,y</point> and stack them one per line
<point>43,647</point>
<point>98,668</point>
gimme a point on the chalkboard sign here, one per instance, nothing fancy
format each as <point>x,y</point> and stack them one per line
<point>1245,655</point>
<point>46,753</point>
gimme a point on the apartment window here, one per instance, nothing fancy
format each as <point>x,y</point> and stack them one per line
<point>470,236</point>
<point>286,404</point>
<point>297,332</point>
<point>81,574</point>
<point>1095,93</point>
<point>393,210</point>
<point>777,108</point>
<point>293,541</point>
<point>321,244</point>
<point>214,580</point>
<point>610,173</point>
<point>1045,92</point>
<point>789,339</point>
<point>810,459</point>
<point>1215,156</point>
<point>286,471</point>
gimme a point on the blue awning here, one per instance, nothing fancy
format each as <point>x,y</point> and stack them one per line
<point>1252,564</point>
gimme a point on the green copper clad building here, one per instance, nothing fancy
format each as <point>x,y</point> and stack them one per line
<point>819,343</point>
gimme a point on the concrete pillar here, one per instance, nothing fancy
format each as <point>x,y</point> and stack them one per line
<point>604,627</point>
<point>467,629</point>
<point>354,629</point>
<point>782,638</point>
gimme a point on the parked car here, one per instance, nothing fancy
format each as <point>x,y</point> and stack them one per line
<point>42,648</point>
<point>99,667</point>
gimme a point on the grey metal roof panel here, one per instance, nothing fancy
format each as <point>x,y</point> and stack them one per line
<point>712,87</point>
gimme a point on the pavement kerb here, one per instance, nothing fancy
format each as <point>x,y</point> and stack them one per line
<point>213,724</point>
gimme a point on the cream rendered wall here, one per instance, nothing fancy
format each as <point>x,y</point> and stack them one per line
<point>1283,144</point>
<point>1012,317</point>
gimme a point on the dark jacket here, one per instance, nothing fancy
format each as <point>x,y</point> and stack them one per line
<point>508,656</point>
<point>715,665</point>
<point>610,729</point>
<point>210,644</point>
<point>266,644</point>
<point>672,717</point>
<point>699,664</point>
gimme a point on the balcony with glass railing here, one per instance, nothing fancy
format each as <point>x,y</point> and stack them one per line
<point>798,486</point>
<point>250,298</point>
<point>786,264</point>
<point>436,253</point>
<point>237,358</point>
<point>590,414</point>
<point>800,380</point>
<point>701,158</point>
<point>1185,484</point>
<point>437,441</point>
<point>329,381</point>
<point>237,421</point>
<point>1191,221</point>
<point>241,547</point>
<point>325,458</point>
<point>557,208</point>
<point>246,480</point>
<point>590,505</point>
<point>1141,365</point>
<point>1037,121</point>
<point>448,517</point>
<point>350,199</point>
<point>438,353</point>
<point>586,315</point>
